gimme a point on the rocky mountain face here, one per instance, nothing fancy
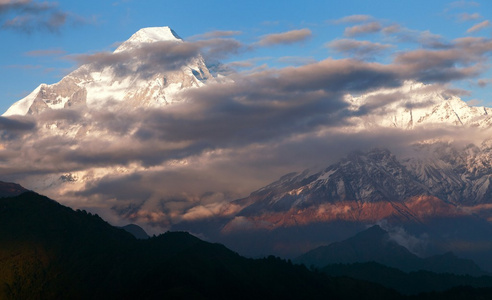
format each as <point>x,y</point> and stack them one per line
<point>375,176</point>
<point>367,187</point>
<point>122,81</point>
<point>458,176</point>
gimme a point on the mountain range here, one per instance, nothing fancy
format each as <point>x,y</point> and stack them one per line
<point>433,197</point>
<point>375,185</point>
<point>430,209</point>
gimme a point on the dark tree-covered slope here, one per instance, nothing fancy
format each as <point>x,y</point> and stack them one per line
<point>406,283</point>
<point>48,251</point>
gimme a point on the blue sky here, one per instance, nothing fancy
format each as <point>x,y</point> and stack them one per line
<point>40,38</point>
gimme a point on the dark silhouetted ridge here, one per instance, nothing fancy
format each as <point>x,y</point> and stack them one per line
<point>406,283</point>
<point>49,251</point>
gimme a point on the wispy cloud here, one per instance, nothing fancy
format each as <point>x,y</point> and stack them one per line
<point>479,26</point>
<point>469,17</point>
<point>462,59</point>
<point>426,38</point>
<point>215,34</point>
<point>462,4</point>
<point>45,52</point>
<point>353,19</point>
<point>359,30</point>
<point>289,37</point>
<point>358,49</point>
<point>483,82</point>
<point>23,67</point>
<point>474,102</point>
<point>29,16</point>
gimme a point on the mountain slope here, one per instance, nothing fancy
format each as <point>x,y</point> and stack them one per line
<point>381,178</point>
<point>363,187</point>
<point>456,175</point>
<point>436,180</point>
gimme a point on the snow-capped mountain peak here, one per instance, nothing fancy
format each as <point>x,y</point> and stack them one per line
<point>131,80</point>
<point>149,35</point>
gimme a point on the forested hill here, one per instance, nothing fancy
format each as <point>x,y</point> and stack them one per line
<point>48,251</point>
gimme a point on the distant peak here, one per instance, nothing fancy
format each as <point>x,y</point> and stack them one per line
<point>373,233</point>
<point>149,35</point>
<point>377,229</point>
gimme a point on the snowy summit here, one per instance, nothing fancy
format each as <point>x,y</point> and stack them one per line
<point>149,35</point>
<point>125,77</point>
